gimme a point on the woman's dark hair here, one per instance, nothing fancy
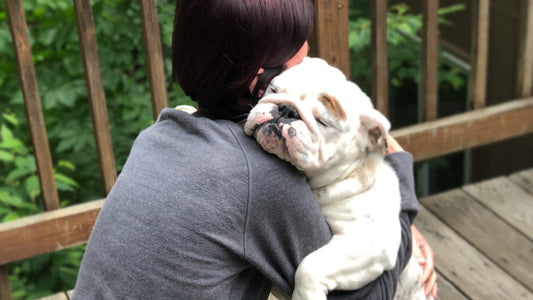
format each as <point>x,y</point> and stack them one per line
<point>219,45</point>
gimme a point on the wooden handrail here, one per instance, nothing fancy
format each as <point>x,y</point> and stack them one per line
<point>467,130</point>
<point>66,227</point>
<point>47,232</point>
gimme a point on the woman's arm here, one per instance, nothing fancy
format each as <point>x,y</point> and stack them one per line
<point>282,230</point>
<point>421,249</point>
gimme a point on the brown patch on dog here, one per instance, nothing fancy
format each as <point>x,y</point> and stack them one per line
<point>333,106</point>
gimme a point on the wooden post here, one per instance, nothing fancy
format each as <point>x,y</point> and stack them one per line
<point>430,62</point>
<point>525,62</point>
<point>480,48</point>
<point>95,90</point>
<point>330,40</point>
<point>5,290</point>
<point>32,103</point>
<point>380,66</point>
<point>154,56</point>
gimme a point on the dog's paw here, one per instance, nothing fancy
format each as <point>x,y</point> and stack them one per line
<point>186,108</point>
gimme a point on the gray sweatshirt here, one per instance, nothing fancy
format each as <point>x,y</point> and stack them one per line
<point>200,211</point>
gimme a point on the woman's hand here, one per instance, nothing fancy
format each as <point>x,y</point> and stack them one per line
<point>392,145</point>
<point>424,255</point>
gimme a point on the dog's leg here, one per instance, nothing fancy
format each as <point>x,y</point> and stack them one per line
<point>340,264</point>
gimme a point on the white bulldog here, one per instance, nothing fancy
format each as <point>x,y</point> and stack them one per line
<point>312,117</point>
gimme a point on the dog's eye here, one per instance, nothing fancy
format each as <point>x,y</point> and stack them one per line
<point>320,122</point>
<point>272,90</point>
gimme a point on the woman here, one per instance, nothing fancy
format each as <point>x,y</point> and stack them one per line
<point>200,211</point>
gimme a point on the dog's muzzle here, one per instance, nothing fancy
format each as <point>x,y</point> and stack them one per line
<point>281,114</point>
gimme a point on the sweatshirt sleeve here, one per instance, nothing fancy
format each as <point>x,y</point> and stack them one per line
<point>402,163</point>
<point>282,229</point>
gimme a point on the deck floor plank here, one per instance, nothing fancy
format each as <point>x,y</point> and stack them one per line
<point>486,231</point>
<point>523,179</point>
<point>469,270</point>
<point>446,290</point>
<point>507,200</point>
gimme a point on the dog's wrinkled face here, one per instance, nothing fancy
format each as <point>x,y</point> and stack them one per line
<point>312,117</point>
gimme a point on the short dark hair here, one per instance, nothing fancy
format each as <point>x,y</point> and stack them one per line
<point>219,45</point>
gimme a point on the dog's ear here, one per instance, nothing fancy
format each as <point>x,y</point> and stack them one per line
<point>377,126</point>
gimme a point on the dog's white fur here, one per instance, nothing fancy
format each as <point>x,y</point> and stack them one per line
<point>337,140</point>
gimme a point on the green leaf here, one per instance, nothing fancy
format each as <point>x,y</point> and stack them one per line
<point>10,217</point>
<point>6,156</point>
<point>26,163</point>
<point>12,119</point>
<point>66,144</point>
<point>39,12</point>
<point>12,200</point>
<point>33,188</point>
<point>68,275</point>
<point>66,164</point>
<point>16,174</point>
<point>64,179</point>
<point>451,9</point>
<point>15,145</point>
<point>47,37</point>
<point>4,211</point>
<point>4,195</point>
<point>5,133</point>
<point>16,201</point>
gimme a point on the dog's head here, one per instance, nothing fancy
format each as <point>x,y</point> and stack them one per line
<point>314,118</point>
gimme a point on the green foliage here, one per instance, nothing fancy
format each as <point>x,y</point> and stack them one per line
<point>60,75</point>
<point>404,64</point>
<point>20,190</point>
<point>46,274</point>
<point>404,48</point>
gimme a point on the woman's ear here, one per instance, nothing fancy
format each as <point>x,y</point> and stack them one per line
<point>254,82</point>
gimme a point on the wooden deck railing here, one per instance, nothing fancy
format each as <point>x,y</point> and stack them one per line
<point>60,228</point>
<point>95,92</point>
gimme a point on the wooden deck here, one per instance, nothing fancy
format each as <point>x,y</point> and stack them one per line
<point>482,235</point>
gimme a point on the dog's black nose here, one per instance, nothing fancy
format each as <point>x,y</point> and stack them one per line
<point>288,111</point>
